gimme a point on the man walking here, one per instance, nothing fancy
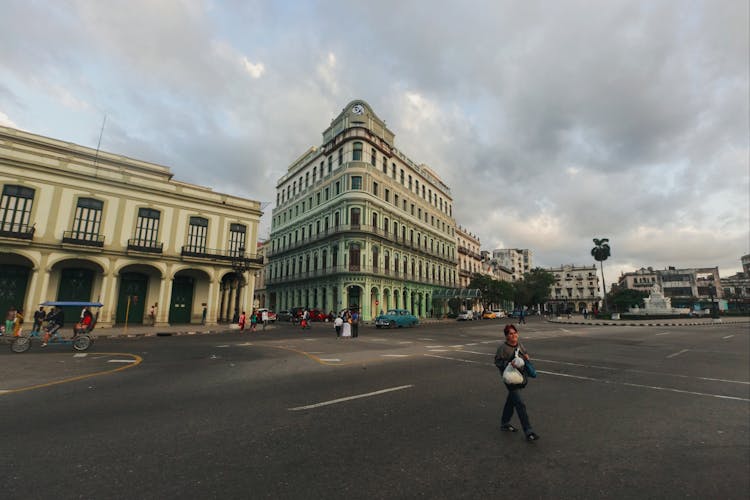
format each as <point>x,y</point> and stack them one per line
<point>355,323</point>
<point>38,320</point>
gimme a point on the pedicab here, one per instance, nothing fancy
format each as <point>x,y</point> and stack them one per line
<point>81,339</point>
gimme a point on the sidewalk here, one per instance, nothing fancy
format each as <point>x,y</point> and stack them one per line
<point>651,322</point>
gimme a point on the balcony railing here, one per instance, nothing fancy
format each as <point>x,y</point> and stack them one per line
<point>360,228</point>
<point>84,239</point>
<point>148,246</point>
<point>19,231</point>
<point>219,254</point>
<point>375,271</point>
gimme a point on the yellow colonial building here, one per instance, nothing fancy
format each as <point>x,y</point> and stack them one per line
<point>85,225</point>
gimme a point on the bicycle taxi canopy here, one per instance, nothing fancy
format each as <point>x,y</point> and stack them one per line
<point>65,303</point>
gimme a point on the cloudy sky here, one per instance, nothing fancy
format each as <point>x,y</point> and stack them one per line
<point>553,122</point>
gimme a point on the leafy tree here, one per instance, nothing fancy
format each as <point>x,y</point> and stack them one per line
<point>623,299</point>
<point>493,291</point>
<point>534,288</point>
<point>601,253</point>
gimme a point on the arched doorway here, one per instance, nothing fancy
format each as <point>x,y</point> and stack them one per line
<point>131,301</point>
<point>14,279</point>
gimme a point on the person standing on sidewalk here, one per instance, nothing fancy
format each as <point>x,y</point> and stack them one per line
<point>39,317</point>
<point>243,320</point>
<point>338,323</point>
<point>355,323</point>
<point>506,354</point>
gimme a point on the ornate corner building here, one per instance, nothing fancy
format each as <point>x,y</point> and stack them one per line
<point>359,224</point>
<point>77,224</point>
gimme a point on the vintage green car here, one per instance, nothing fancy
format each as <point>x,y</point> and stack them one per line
<point>396,318</point>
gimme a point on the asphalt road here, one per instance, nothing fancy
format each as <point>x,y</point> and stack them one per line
<point>622,412</point>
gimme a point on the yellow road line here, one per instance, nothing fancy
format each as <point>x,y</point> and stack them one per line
<point>137,362</point>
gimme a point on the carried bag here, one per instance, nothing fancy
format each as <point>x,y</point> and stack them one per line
<point>530,370</point>
<point>511,374</point>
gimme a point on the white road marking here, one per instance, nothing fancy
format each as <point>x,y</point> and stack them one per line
<point>121,361</point>
<point>642,371</point>
<point>675,354</point>
<point>434,346</point>
<point>245,344</point>
<point>566,331</point>
<point>456,346</point>
<point>310,340</point>
<point>482,353</point>
<point>654,387</point>
<point>473,343</point>
<point>395,355</point>
<point>330,359</point>
<point>454,359</point>
<point>80,355</point>
<point>221,346</point>
<point>728,337</point>
<point>406,342</point>
<point>349,398</point>
<point>662,333</point>
<point>430,340</point>
<point>440,350</point>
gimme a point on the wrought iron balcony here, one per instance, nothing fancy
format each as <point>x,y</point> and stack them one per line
<point>232,256</point>
<point>84,239</point>
<point>19,231</point>
<point>148,246</point>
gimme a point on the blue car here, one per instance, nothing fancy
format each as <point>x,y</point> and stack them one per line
<point>396,318</point>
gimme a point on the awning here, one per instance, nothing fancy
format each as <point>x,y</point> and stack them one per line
<point>457,293</point>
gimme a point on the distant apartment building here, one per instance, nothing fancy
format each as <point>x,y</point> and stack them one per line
<point>358,224</point>
<point>469,256</point>
<point>260,297</point>
<point>575,288</point>
<point>686,287</point>
<point>518,261</point>
<point>736,289</point>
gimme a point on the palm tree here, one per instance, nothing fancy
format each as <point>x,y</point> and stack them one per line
<point>601,252</point>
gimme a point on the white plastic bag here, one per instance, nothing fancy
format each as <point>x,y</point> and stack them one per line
<point>511,374</point>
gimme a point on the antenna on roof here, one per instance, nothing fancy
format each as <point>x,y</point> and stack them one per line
<point>98,145</point>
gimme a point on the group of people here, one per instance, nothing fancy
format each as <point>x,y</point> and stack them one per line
<point>346,324</point>
<point>256,317</point>
<point>54,319</point>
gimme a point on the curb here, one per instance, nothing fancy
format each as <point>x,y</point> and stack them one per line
<point>713,323</point>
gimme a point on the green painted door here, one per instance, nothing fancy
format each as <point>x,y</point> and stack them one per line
<point>181,305</point>
<point>13,281</point>
<point>133,287</point>
<point>75,285</point>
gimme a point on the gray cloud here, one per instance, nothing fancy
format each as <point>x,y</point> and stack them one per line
<point>553,122</point>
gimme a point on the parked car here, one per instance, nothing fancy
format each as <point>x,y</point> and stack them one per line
<point>499,313</point>
<point>489,315</point>
<point>317,315</point>
<point>465,316</point>
<point>271,315</point>
<point>396,318</point>
<point>284,315</point>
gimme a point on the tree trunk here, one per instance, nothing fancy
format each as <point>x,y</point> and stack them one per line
<point>604,285</point>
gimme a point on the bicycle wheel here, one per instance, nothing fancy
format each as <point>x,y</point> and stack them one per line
<point>20,344</point>
<point>81,342</point>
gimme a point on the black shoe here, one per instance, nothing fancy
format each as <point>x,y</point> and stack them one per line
<point>508,428</point>
<point>531,436</point>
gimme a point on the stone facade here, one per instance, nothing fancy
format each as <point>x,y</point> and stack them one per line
<point>517,260</point>
<point>359,224</point>
<point>85,225</point>
<point>469,256</point>
<point>575,288</point>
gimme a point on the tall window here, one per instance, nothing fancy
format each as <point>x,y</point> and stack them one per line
<point>237,239</point>
<point>355,212</point>
<point>324,261</point>
<point>356,182</point>
<point>374,220</point>
<point>341,156</point>
<point>387,262</point>
<point>197,233</point>
<point>338,187</point>
<point>147,227</point>
<point>375,188</point>
<point>330,164</point>
<point>15,208</point>
<point>357,152</point>
<point>385,165</point>
<point>354,257</point>
<point>88,219</point>
<point>375,259</point>
<point>373,157</point>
